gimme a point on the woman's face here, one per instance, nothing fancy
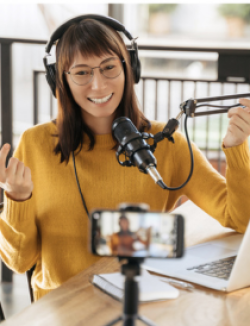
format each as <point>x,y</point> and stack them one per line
<point>101,96</point>
<point>124,224</point>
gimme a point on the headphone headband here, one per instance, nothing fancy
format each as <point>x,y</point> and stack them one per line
<point>57,34</point>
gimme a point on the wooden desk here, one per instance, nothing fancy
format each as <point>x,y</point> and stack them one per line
<point>77,302</point>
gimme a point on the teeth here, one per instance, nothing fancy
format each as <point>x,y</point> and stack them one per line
<point>101,100</point>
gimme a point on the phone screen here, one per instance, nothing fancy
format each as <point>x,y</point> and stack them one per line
<point>137,234</point>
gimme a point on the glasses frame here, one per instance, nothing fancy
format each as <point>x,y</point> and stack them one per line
<point>92,72</point>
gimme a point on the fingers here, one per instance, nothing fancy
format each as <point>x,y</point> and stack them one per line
<point>27,175</point>
<point>240,123</point>
<point>20,170</point>
<point>245,101</point>
<point>16,178</point>
<point>18,185</point>
<point>3,156</point>
<point>4,152</point>
<point>17,173</point>
<point>12,167</point>
<point>242,114</point>
<point>27,179</point>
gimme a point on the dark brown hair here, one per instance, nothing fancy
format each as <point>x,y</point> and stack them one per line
<point>89,37</point>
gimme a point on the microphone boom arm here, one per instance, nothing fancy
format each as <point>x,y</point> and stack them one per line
<point>189,106</point>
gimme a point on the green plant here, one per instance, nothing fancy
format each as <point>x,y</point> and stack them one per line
<point>235,10</point>
<point>162,7</point>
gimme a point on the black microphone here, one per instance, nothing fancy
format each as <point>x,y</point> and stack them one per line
<point>134,147</point>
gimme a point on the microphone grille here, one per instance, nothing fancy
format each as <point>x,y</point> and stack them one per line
<point>123,127</point>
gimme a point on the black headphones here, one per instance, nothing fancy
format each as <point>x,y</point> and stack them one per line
<point>50,69</point>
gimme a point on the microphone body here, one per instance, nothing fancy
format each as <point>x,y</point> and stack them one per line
<point>135,147</point>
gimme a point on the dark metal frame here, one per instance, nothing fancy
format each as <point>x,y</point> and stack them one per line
<point>2,317</point>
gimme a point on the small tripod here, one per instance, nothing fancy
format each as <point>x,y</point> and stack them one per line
<point>131,295</point>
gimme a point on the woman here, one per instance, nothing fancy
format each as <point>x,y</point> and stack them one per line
<point>43,221</point>
<point>122,243</point>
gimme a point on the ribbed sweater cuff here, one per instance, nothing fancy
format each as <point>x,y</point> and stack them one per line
<point>17,211</point>
<point>238,156</point>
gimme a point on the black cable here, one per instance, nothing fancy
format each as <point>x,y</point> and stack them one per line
<point>78,185</point>
<point>161,183</point>
<point>220,106</point>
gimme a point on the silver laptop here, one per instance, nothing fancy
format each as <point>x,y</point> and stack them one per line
<point>222,264</point>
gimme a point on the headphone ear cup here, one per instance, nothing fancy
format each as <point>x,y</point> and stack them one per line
<point>51,77</point>
<point>135,64</point>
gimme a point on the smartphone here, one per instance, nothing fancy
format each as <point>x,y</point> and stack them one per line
<point>137,234</point>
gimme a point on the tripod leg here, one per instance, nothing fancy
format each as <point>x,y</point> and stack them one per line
<point>146,321</point>
<point>114,321</point>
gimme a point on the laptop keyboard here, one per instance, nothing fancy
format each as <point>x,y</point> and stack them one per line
<point>220,268</point>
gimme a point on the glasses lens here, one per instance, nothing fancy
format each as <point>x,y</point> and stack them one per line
<point>81,75</point>
<point>112,68</point>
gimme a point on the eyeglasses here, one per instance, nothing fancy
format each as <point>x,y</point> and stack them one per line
<point>83,74</point>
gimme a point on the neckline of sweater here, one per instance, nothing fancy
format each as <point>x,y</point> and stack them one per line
<point>104,141</point>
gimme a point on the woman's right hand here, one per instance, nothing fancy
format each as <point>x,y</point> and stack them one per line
<point>16,178</point>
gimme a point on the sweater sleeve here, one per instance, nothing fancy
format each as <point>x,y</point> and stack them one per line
<point>18,231</point>
<point>226,199</point>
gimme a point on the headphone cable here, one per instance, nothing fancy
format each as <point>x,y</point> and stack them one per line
<point>78,184</point>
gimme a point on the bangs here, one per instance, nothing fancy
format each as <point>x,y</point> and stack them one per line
<point>89,38</point>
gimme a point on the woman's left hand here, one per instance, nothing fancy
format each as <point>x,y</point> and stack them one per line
<point>239,124</point>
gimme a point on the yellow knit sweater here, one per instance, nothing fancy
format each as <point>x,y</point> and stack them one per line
<point>51,228</point>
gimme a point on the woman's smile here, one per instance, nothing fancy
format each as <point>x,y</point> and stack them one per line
<point>101,100</point>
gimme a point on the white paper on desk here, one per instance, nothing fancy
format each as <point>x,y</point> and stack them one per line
<point>150,287</point>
